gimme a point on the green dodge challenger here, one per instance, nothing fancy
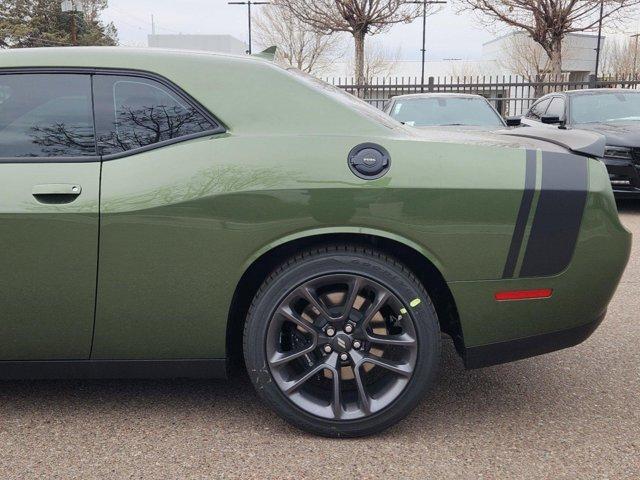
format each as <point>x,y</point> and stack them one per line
<point>163,213</point>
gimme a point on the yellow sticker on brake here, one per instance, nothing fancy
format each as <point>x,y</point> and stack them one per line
<point>403,311</point>
<point>415,302</point>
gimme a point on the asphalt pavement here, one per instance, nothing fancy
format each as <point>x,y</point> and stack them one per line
<point>569,414</point>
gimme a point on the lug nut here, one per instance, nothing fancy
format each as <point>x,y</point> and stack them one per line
<point>330,331</point>
<point>348,328</point>
<point>344,357</point>
<point>327,348</point>
<point>357,344</point>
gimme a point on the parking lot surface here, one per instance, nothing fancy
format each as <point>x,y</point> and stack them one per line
<point>569,414</point>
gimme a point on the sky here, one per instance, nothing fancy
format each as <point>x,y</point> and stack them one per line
<point>450,34</point>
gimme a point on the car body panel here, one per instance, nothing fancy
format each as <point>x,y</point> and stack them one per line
<point>180,224</point>
<point>196,227</point>
<point>580,296</point>
<point>48,262</point>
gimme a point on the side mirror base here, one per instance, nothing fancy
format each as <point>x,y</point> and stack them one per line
<point>550,119</point>
<point>513,121</point>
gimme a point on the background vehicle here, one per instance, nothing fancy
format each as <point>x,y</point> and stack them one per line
<point>163,212</point>
<point>453,110</point>
<point>614,113</point>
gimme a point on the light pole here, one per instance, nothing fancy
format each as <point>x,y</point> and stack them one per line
<point>424,4</point>
<point>635,54</point>
<point>68,6</point>
<point>248,4</point>
<point>599,38</point>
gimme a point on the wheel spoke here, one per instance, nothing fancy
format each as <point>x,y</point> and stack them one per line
<point>336,398</point>
<point>280,358</point>
<point>363,398</point>
<point>352,294</point>
<point>403,369</point>
<point>378,303</point>
<point>293,317</point>
<point>292,385</point>
<point>402,340</point>
<point>315,302</point>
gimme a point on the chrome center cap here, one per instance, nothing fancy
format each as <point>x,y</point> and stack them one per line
<point>341,342</point>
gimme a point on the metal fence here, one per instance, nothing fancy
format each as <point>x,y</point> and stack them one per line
<point>510,94</point>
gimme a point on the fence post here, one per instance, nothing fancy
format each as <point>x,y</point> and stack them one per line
<point>431,81</point>
<point>593,81</point>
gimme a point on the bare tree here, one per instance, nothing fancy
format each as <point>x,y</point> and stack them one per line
<point>298,46</point>
<point>134,127</point>
<point>524,57</point>
<point>379,60</point>
<point>620,58</point>
<point>462,68</point>
<point>357,17</point>
<point>549,21</point>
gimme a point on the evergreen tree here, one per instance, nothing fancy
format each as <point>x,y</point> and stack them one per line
<point>42,23</point>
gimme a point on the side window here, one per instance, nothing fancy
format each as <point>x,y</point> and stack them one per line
<point>46,115</point>
<point>538,109</point>
<point>556,108</point>
<point>133,112</point>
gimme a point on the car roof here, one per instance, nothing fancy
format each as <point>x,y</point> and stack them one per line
<point>585,91</point>
<point>437,94</point>
<point>107,56</point>
<point>40,54</point>
<point>591,91</point>
<point>241,91</point>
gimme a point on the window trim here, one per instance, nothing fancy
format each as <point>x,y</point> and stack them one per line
<point>561,97</point>
<point>92,71</point>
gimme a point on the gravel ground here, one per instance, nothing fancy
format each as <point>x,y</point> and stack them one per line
<point>570,414</point>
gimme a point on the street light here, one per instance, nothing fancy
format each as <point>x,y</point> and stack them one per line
<point>248,4</point>
<point>424,4</point>
<point>635,54</point>
<point>599,37</point>
<point>69,6</point>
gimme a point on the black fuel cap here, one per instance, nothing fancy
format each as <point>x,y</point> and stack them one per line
<point>369,161</point>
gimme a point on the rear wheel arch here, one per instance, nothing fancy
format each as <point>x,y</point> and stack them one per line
<point>266,260</point>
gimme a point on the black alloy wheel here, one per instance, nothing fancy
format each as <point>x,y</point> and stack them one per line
<point>342,341</point>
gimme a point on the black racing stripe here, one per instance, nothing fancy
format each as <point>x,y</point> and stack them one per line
<point>523,215</point>
<point>556,224</point>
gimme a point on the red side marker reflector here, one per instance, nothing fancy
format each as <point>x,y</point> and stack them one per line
<point>523,294</point>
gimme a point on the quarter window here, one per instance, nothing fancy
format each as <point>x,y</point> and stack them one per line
<point>46,115</point>
<point>134,112</point>
<point>556,108</point>
<point>538,109</point>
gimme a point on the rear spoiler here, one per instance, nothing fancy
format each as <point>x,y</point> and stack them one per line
<point>589,144</point>
<point>267,54</point>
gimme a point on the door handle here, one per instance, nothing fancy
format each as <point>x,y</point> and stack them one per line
<point>57,193</point>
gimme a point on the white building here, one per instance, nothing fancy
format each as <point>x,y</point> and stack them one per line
<point>578,53</point>
<point>209,43</point>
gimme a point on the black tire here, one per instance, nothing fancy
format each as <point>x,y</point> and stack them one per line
<point>379,270</point>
